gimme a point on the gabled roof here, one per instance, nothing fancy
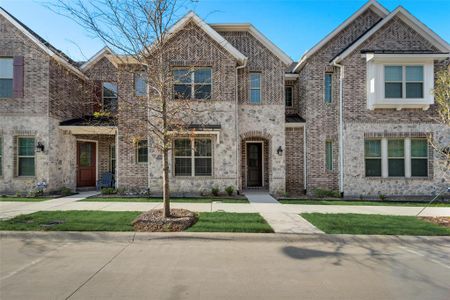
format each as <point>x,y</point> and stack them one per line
<point>42,43</point>
<point>191,16</point>
<point>258,35</point>
<point>409,19</point>
<point>372,4</point>
<point>104,52</point>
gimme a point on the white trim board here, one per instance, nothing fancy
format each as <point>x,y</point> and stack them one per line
<point>372,4</point>
<point>96,57</point>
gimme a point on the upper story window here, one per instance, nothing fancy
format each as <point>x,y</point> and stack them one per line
<point>288,96</point>
<point>192,84</point>
<point>140,85</point>
<point>399,81</point>
<point>6,77</point>
<point>109,96</point>
<point>403,82</point>
<point>255,88</point>
<point>328,87</point>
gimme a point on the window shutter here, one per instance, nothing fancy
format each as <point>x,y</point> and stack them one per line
<point>18,76</point>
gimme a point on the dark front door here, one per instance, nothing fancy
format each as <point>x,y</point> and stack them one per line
<point>86,164</point>
<point>254,164</point>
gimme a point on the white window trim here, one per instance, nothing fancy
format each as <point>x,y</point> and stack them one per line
<point>407,158</point>
<point>403,81</point>
<point>192,83</point>
<point>292,95</point>
<point>25,156</point>
<point>376,84</point>
<point>192,157</point>
<point>251,89</point>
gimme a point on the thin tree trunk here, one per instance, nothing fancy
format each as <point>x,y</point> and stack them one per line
<point>166,188</point>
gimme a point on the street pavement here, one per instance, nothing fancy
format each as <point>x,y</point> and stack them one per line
<point>65,265</point>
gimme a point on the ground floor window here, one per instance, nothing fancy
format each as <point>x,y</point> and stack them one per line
<point>112,159</point>
<point>25,156</point>
<point>406,157</point>
<point>329,155</point>
<point>1,156</point>
<point>142,151</point>
<point>193,157</point>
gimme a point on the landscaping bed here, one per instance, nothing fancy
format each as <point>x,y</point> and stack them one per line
<point>374,224</point>
<point>361,202</point>
<point>174,200</point>
<point>122,221</point>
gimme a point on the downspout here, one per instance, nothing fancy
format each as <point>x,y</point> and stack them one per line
<point>304,159</point>
<point>236,124</point>
<point>341,126</point>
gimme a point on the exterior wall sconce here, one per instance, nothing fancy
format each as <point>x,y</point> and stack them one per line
<point>40,147</point>
<point>280,150</point>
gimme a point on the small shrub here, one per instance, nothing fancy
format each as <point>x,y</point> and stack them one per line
<point>382,197</point>
<point>322,193</point>
<point>215,191</point>
<point>121,191</point>
<point>108,191</point>
<point>65,191</point>
<point>229,190</point>
<point>20,194</point>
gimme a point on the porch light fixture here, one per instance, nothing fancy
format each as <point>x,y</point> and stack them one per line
<point>280,150</point>
<point>40,147</point>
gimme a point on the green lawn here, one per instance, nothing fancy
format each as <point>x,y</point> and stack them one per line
<point>230,222</point>
<point>174,200</point>
<point>121,221</point>
<point>373,224</point>
<point>358,202</point>
<point>25,199</point>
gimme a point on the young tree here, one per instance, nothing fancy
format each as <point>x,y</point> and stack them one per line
<point>139,33</point>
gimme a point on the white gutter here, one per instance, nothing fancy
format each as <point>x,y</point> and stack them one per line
<point>236,117</point>
<point>341,126</point>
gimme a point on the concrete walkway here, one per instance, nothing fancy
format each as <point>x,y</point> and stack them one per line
<point>272,211</point>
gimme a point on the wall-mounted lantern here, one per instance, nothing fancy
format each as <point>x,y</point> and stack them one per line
<point>280,151</point>
<point>40,147</point>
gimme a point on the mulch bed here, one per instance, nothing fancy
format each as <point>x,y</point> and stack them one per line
<point>443,221</point>
<point>153,221</point>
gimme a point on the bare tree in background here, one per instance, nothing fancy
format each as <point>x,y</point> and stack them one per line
<point>442,99</point>
<point>139,33</point>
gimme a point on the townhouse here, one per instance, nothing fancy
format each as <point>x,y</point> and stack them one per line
<point>353,115</point>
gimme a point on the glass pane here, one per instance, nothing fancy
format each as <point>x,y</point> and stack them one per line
<point>329,155</point>
<point>203,91</point>
<point>85,155</point>
<point>393,90</point>
<point>396,148</point>
<point>414,90</point>
<point>202,75</point>
<point>6,68</point>
<point>419,148</point>
<point>328,83</point>
<point>142,151</point>
<point>414,73</point>
<point>26,146</point>
<point>182,76</point>
<point>203,147</point>
<point>182,91</point>
<point>109,89</point>
<point>393,73</point>
<point>203,167</point>
<point>419,167</point>
<point>255,96</point>
<point>183,147</point>
<point>113,152</point>
<point>396,167</point>
<point>255,80</point>
<point>372,148</point>
<point>288,95</point>
<point>373,167</point>
<point>183,167</point>
<point>140,85</point>
<point>26,166</point>
<point>6,88</point>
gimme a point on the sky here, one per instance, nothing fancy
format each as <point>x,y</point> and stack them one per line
<point>293,25</point>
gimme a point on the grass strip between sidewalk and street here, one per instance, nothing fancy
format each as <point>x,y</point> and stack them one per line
<point>121,221</point>
<point>360,202</point>
<point>374,224</point>
<point>25,199</point>
<point>174,200</point>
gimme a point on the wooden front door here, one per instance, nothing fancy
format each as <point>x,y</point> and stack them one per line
<point>254,164</point>
<point>86,164</point>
